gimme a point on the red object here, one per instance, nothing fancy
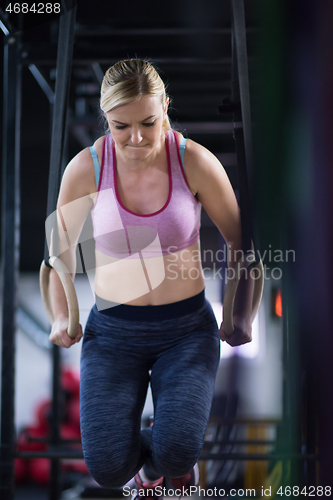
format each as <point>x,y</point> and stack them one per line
<point>25,444</point>
<point>40,470</point>
<point>21,469</point>
<point>73,412</point>
<point>43,414</point>
<point>69,431</point>
<point>70,382</point>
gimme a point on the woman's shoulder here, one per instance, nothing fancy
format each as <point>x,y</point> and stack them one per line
<point>197,157</point>
<point>79,175</point>
<point>98,145</point>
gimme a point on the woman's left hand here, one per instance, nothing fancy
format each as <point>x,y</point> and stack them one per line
<point>242,333</point>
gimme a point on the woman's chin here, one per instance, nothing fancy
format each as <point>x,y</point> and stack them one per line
<point>137,153</point>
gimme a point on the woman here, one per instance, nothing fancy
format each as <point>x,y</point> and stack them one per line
<point>151,321</point>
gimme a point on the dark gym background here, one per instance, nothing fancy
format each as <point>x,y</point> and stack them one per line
<point>190,44</point>
<point>290,47</point>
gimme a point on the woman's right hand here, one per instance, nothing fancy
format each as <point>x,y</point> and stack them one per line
<point>59,335</point>
<point>241,335</point>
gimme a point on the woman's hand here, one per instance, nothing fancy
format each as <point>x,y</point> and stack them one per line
<point>242,333</point>
<point>59,335</point>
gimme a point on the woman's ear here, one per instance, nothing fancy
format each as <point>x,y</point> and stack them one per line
<point>167,102</point>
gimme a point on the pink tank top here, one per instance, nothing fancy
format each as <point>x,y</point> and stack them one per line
<point>119,232</point>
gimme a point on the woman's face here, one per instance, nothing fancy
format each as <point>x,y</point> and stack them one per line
<point>137,127</point>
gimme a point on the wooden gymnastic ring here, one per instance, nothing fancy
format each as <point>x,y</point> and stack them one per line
<point>231,290</point>
<point>71,297</point>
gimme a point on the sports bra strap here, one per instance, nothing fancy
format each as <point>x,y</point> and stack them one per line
<point>96,164</point>
<point>182,150</point>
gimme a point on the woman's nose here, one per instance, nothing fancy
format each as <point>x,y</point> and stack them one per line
<point>136,136</point>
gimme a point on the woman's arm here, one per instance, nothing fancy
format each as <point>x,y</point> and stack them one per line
<point>74,203</point>
<point>58,333</point>
<point>210,184</point>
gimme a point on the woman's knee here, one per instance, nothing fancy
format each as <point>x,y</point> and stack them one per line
<point>173,467</point>
<point>176,461</point>
<point>111,473</point>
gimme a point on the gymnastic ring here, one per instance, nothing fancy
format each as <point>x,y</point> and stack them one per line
<point>231,289</point>
<point>71,297</point>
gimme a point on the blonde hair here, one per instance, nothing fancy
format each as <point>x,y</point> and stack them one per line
<point>127,81</point>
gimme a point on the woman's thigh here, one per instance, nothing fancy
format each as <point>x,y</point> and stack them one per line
<point>183,380</point>
<point>114,382</point>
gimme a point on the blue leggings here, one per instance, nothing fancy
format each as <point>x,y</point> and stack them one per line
<point>182,353</point>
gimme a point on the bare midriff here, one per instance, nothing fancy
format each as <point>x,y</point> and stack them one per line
<point>117,281</point>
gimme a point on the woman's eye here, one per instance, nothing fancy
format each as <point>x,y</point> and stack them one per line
<point>150,124</point>
<point>122,127</point>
